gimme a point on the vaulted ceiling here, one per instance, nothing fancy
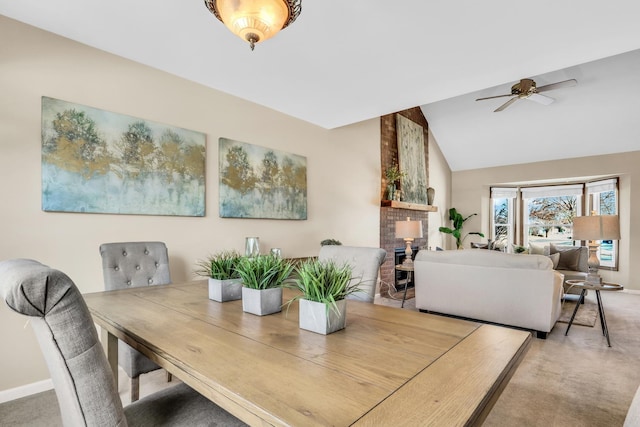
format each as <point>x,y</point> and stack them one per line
<point>346,61</point>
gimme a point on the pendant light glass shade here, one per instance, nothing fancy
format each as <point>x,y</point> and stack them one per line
<point>255,20</point>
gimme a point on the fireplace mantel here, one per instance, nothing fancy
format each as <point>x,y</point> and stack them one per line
<point>410,206</point>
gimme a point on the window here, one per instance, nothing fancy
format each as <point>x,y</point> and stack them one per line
<point>602,199</point>
<point>549,212</point>
<point>502,230</point>
<point>545,215</point>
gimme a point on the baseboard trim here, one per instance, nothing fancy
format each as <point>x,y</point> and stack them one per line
<point>25,390</point>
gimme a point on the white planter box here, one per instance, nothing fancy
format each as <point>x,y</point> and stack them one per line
<point>314,316</point>
<point>261,301</point>
<point>225,290</point>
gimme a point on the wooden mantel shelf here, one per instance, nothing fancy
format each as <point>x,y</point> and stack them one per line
<point>411,206</point>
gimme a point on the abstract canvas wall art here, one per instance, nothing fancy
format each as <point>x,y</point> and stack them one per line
<point>411,159</point>
<point>96,161</point>
<point>259,182</point>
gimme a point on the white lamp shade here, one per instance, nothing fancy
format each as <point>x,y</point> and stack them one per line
<point>408,229</point>
<point>596,227</point>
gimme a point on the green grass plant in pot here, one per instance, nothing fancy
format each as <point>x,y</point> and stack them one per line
<point>324,286</point>
<point>393,175</point>
<point>457,221</point>
<point>262,281</point>
<point>224,280</point>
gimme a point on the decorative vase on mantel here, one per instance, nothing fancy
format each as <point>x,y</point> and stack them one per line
<point>431,194</point>
<point>391,191</point>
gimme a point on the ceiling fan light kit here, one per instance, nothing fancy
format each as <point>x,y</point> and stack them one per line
<point>527,89</point>
<point>255,20</point>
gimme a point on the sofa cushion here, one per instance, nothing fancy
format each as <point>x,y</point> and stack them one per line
<point>539,249</point>
<point>572,258</point>
<point>555,259</point>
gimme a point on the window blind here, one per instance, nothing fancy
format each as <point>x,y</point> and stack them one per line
<point>503,193</point>
<point>552,191</point>
<point>601,186</point>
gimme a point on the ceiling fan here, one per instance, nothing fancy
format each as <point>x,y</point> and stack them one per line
<point>526,89</point>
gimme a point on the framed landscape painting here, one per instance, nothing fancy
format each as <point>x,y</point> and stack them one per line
<point>96,161</point>
<point>259,182</point>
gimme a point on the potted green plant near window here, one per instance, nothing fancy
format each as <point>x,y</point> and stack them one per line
<point>224,280</point>
<point>324,287</point>
<point>457,221</point>
<point>262,280</point>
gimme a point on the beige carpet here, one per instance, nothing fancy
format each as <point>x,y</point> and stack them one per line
<point>586,316</point>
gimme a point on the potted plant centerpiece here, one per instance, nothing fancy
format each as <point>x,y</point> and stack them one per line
<point>262,281</point>
<point>393,175</point>
<point>324,285</point>
<point>457,221</point>
<point>224,280</point>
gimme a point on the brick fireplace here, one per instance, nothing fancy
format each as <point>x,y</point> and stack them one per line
<point>389,215</point>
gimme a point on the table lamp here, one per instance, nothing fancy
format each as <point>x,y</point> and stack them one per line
<point>408,230</point>
<point>592,228</point>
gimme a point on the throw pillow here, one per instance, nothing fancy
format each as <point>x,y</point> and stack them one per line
<point>555,259</point>
<point>539,249</point>
<point>569,257</point>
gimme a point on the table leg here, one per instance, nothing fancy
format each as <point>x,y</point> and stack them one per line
<point>406,285</point>
<point>603,319</point>
<point>110,345</point>
<point>575,310</point>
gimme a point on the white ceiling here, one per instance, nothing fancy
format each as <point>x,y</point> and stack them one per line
<point>346,61</point>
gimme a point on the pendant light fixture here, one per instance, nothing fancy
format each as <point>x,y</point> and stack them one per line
<point>255,20</point>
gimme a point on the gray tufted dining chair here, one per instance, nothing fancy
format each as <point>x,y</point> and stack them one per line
<point>365,264</point>
<point>134,264</point>
<point>83,381</point>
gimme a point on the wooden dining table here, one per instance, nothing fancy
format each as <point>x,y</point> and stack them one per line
<point>388,367</point>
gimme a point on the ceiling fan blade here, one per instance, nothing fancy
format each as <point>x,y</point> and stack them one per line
<point>506,104</point>
<point>541,99</point>
<point>492,97</point>
<point>566,83</point>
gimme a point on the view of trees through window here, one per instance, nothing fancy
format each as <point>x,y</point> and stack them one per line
<point>605,203</point>
<point>550,219</point>
<point>501,221</point>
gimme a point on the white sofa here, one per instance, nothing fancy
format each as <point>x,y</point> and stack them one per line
<point>508,289</point>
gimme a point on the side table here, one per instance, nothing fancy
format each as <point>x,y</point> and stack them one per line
<point>597,287</point>
<point>409,269</point>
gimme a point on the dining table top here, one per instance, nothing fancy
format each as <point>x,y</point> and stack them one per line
<point>389,366</point>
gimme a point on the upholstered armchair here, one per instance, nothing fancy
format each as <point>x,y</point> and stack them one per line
<point>83,381</point>
<point>134,264</point>
<point>365,263</point>
<point>571,261</point>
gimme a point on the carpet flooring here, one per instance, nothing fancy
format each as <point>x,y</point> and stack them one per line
<point>563,381</point>
<point>586,316</point>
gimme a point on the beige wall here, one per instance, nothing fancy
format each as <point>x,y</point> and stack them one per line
<point>470,190</point>
<point>440,180</point>
<point>343,173</point>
